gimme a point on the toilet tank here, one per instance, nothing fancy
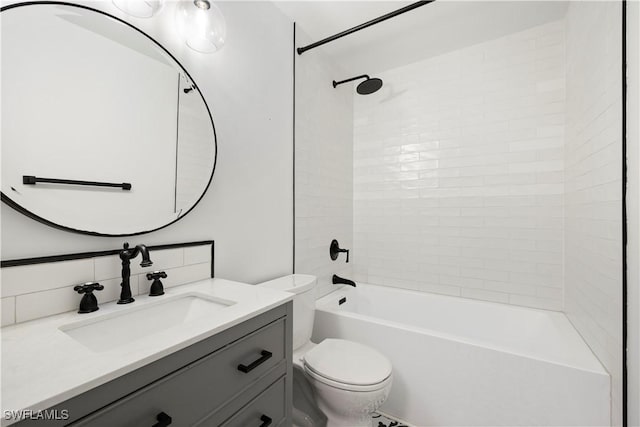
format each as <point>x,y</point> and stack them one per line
<point>304,303</point>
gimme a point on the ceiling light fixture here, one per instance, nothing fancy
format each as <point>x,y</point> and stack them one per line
<point>201,25</point>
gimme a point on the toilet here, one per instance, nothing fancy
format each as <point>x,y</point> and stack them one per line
<point>350,381</point>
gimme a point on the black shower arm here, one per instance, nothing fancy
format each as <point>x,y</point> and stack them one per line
<point>364,76</point>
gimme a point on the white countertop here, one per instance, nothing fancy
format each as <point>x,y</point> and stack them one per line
<point>42,366</point>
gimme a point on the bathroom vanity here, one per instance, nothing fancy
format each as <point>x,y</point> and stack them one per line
<point>220,355</point>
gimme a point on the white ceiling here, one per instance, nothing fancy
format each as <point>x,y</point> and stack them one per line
<point>430,30</point>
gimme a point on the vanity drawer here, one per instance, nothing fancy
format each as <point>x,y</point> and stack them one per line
<point>196,390</point>
<point>267,409</point>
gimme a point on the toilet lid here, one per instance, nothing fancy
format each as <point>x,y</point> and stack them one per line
<point>348,362</point>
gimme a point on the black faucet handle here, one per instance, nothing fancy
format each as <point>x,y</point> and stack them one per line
<point>157,288</point>
<point>87,288</point>
<point>335,249</point>
<point>156,275</point>
<point>89,302</point>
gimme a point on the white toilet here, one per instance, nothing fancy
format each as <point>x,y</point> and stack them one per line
<point>350,380</point>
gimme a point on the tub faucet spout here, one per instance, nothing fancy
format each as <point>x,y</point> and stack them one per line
<point>337,280</point>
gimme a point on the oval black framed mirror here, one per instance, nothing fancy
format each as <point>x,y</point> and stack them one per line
<point>103,132</point>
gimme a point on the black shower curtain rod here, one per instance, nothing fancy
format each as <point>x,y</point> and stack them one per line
<point>377,20</point>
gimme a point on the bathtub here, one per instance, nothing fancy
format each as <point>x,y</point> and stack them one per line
<point>461,362</point>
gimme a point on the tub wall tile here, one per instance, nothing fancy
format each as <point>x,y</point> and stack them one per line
<point>593,231</point>
<point>534,302</point>
<point>485,295</point>
<point>323,169</point>
<point>458,176</point>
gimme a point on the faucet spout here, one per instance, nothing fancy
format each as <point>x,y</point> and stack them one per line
<point>146,261</point>
<point>337,280</point>
<point>126,255</point>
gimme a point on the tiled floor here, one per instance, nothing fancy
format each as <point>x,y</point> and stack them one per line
<point>379,420</point>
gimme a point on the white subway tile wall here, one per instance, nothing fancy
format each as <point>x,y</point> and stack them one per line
<point>34,291</point>
<point>323,167</point>
<point>458,173</point>
<point>197,254</point>
<point>42,277</point>
<point>593,153</point>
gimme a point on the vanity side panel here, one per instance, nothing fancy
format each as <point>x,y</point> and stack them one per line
<point>288,381</point>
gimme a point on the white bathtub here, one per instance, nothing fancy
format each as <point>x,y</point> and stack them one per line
<point>471,363</point>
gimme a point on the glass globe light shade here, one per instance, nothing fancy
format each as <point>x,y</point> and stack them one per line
<point>139,8</point>
<point>201,25</point>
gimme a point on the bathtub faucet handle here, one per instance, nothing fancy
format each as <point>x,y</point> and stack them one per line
<point>335,250</point>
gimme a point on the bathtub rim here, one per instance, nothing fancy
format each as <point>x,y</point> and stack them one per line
<point>322,304</point>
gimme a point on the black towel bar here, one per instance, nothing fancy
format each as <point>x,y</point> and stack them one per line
<point>32,180</point>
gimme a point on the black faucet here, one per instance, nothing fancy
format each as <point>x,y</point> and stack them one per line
<point>337,280</point>
<point>335,250</point>
<point>126,255</point>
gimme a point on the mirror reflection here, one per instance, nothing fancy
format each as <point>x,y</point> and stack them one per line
<point>86,97</point>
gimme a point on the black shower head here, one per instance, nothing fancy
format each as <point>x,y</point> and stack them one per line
<point>369,86</point>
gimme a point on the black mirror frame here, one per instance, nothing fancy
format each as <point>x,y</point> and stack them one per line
<point>7,200</point>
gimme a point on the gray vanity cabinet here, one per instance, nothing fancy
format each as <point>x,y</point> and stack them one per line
<point>202,385</point>
<point>268,402</point>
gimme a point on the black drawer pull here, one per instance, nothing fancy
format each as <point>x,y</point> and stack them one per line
<point>265,355</point>
<point>266,421</point>
<point>164,420</point>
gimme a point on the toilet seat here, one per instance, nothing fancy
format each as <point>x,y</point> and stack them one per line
<point>347,365</point>
<point>347,387</point>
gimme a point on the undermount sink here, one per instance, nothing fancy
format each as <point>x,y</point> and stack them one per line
<point>124,327</point>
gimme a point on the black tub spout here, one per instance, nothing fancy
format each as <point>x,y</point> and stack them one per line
<point>337,280</point>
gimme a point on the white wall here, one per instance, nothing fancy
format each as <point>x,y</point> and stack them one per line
<point>593,235</point>
<point>248,209</point>
<point>633,210</point>
<point>458,176</point>
<point>324,165</point>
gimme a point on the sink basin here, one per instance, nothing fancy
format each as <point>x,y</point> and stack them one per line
<point>131,324</point>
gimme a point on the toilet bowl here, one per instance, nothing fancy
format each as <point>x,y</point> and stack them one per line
<point>349,380</point>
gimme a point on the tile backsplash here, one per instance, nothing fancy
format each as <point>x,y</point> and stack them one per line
<point>33,291</point>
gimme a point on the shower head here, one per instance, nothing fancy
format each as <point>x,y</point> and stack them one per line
<point>369,86</point>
